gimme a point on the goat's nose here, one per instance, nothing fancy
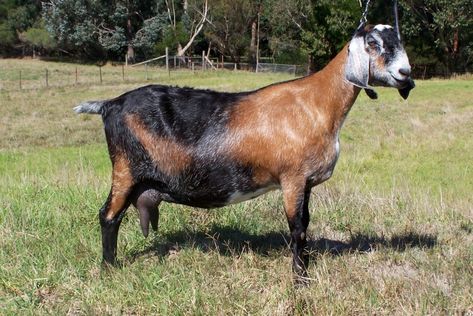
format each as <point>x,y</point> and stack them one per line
<point>405,71</point>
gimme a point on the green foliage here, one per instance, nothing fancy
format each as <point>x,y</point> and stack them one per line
<point>441,29</point>
<point>7,35</point>
<point>171,38</point>
<point>320,28</point>
<point>38,37</point>
<point>114,39</point>
<point>288,54</point>
<point>80,25</point>
<point>16,17</point>
<point>152,32</point>
<point>230,26</point>
<point>71,22</point>
<point>438,34</point>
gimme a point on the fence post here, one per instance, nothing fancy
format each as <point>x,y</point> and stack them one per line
<point>100,72</point>
<point>192,67</point>
<point>20,80</point>
<point>77,76</point>
<point>167,62</point>
<point>123,72</point>
<point>47,79</point>
<point>167,59</point>
<point>203,60</point>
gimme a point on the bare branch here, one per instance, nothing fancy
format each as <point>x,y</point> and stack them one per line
<point>198,28</point>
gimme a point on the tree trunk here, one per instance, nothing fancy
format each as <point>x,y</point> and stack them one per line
<point>253,42</point>
<point>455,42</point>
<point>180,50</point>
<point>129,36</point>
<point>198,28</point>
<point>312,65</point>
<point>130,53</point>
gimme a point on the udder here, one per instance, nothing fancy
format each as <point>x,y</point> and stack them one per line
<point>147,200</point>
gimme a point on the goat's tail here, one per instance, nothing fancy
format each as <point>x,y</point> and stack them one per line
<point>90,107</point>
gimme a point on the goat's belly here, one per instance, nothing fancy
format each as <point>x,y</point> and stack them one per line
<point>211,195</point>
<point>238,196</point>
<point>204,198</point>
<point>210,185</point>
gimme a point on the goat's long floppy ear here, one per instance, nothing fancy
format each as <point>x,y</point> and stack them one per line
<point>357,69</point>
<point>404,92</point>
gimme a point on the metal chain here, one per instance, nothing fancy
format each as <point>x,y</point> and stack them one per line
<point>363,19</point>
<point>396,20</point>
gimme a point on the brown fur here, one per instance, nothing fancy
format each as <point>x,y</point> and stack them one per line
<point>291,128</point>
<point>170,157</point>
<point>380,63</point>
<point>293,191</point>
<point>122,182</point>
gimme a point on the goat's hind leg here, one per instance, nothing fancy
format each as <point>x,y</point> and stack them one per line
<point>112,212</point>
<point>110,217</point>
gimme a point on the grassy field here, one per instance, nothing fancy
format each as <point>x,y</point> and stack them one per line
<point>390,233</point>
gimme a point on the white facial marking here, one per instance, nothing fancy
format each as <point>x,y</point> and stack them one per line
<point>382,27</point>
<point>401,61</point>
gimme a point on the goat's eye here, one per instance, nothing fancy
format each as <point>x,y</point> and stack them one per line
<point>373,43</point>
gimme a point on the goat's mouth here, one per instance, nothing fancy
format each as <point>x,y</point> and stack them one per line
<point>402,83</point>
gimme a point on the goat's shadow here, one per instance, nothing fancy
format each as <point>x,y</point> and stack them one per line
<point>229,241</point>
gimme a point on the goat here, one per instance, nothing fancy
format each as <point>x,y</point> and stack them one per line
<point>210,149</point>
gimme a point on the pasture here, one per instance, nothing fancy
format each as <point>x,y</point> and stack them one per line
<point>390,233</point>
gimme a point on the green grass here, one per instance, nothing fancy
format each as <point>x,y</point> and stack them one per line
<point>390,233</point>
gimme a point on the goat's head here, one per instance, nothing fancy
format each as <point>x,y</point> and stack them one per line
<point>376,57</point>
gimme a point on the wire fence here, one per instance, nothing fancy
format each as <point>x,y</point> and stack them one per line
<point>36,76</point>
<point>60,74</point>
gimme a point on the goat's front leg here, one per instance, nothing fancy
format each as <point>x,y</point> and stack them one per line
<point>296,204</point>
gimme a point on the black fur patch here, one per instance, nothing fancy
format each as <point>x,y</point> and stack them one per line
<point>391,44</point>
<point>193,118</point>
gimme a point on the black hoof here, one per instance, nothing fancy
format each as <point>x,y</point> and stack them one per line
<point>301,279</point>
<point>108,265</point>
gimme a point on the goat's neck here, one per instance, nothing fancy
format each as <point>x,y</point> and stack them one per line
<point>330,92</point>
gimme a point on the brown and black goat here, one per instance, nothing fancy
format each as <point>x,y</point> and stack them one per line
<point>210,149</point>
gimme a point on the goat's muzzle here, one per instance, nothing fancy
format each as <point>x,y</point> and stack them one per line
<point>409,85</point>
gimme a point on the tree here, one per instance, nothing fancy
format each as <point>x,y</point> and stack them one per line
<point>72,23</point>
<point>321,27</point>
<point>129,25</point>
<point>98,27</point>
<point>38,39</point>
<point>230,29</point>
<point>441,29</point>
<point>186,22</point>
<point>16,16</point>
